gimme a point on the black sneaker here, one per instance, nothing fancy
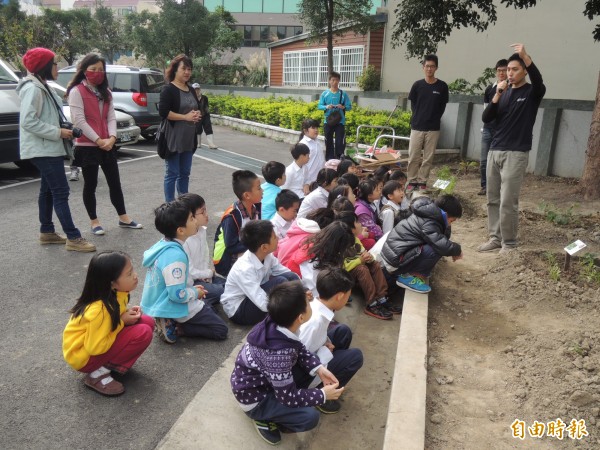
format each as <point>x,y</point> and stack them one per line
<point>329,407</point>
<point>394,309</point>
<point>268,431</point>
<point>378,312</point>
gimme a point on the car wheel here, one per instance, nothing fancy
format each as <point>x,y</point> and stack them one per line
<point>150,136</point>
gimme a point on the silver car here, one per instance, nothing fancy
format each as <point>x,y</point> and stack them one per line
<point>136,91</point>
<point>127,131</point>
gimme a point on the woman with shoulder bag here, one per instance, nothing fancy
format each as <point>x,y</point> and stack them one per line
<point>179,104</point>
<point>93,112</point>
<point>41,141</point>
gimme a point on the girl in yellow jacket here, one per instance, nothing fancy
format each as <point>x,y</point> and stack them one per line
<point>104,334</point>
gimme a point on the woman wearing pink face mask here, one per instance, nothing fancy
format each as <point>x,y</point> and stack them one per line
<point>93,112</point>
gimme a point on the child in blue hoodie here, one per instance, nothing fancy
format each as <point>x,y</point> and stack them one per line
<point>169,295</point>
<point>262,380</point>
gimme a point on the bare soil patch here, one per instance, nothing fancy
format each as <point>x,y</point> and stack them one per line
<point>507,340</point>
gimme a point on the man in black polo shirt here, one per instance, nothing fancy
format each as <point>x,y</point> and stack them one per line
<point>514,108</point>
<point>487,132</point>
<point>428,98</point>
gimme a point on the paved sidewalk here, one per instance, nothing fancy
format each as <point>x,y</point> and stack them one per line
<point>213,420</point>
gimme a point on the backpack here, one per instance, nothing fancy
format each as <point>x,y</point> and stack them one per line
<point>219,235</point>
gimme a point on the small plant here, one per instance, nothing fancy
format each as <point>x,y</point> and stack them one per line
<point>555,215</point>
<point>370,80</point>
<point>590,272</point>
<point>578,349</point>
<point>465,166</point>
<point>446,174</point>
<point>554,270</point>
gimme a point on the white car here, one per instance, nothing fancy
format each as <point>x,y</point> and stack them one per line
<point>127,131</point>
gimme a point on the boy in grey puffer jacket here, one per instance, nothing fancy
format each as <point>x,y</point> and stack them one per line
<point>417,243</point>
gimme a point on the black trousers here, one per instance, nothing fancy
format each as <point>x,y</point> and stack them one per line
<point>335,151</point>
<point>90,182</point>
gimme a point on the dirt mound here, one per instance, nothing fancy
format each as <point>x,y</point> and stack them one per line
<point>511,338</point>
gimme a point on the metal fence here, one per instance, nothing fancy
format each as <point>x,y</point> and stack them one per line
<point>309,67</point>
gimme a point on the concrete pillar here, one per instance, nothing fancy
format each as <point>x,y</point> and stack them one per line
<point>463,123</point>
<point>547,142</point>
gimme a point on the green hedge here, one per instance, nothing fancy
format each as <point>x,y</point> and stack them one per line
<point>289,113</point>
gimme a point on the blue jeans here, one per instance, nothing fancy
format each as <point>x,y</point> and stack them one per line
<point>178,167</point>
<point>424,264</point>
<point>54,194</point>
<point>250,314</point>
<point>486,139</point>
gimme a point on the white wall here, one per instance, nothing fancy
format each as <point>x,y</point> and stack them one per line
<point>555,32</point>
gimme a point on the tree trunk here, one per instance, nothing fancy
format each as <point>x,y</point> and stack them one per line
<point>590,180</point>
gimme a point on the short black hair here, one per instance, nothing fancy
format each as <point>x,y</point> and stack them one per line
<point>272,171</point>
<point>351,179</point>
<point>501,63</point>
<point>333,280</point>
<point>326,176</point>
<point>286,302</point>
<point>309,123</point>
<point>433,58</point>
<point>241,181</point>
<point>193,201</point>
<point>397,175</point>
<point>299,149</point>
<point>347,217</point>
<point>450,204</point>
<point>256,233</point>
<point>323,216</point>
<point>516,57</point>
<point>334,75</point>
<point>344,165</point>
<point>170,216</point>
<point>389,188</point>
<point>286,199</point>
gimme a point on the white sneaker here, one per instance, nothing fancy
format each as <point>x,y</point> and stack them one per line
<point>74,173</point>
<point>211,142</point>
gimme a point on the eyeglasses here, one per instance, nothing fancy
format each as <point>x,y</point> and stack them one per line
<point>429,66</point>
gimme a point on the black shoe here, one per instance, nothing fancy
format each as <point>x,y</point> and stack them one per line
<point>329,407</point>
<point>378,312</point>
<point>268,431</point>
<point>394,309</point>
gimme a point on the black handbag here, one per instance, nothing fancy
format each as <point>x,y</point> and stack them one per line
<point>161,139</point>
<point>335,116</point>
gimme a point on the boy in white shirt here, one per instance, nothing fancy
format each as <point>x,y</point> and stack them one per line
<point>330,345</point>
<point>296,174</point>
<point>201,267</point>
<point>390,211</point>
<point>254,275</point>
<point>287,204</point>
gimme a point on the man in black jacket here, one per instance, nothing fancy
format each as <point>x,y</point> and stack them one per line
<point>417,243</point>
<point>514,108</point>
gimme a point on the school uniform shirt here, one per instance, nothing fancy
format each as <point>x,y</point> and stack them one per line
<point>91,334</point>
<point>245,280</point>
<point>315,200</point>
<point>317,158</point>
<point>200,261</point>
<point>313,334</point>
<point>295,179</point>
<point>280,226</point>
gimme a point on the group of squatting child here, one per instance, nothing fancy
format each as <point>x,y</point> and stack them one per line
<point>287,254</point>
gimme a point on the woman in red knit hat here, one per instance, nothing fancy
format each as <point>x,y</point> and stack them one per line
<point>92,111</point>
<point>42,140</point>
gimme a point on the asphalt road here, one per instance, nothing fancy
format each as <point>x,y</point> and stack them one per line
<point>43,402</point>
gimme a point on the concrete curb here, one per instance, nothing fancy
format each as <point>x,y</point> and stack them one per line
<point>405,427</point>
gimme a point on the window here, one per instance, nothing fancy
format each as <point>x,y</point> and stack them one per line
<point>290,6</point>
<point>272,6</point>
<point>261,35</point>
<point>211,5</point>
<point>309,67</point>
<point>253,6</point>
<point>125,82</point>
<point>234,6</point>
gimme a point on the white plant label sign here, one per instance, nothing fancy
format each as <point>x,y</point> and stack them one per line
<point>574,247</point>
<point>441,184</point>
